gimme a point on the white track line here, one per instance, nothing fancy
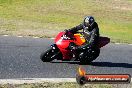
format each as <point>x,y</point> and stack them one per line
<point>19,36</point>
<point>5,35</point>
<point>118,43</point>
<point>52,38</point>
<point>129,44</point>
<point>35,37</point>
<point>36,80</point>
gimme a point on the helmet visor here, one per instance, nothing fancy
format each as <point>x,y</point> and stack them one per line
<point>86,22</point>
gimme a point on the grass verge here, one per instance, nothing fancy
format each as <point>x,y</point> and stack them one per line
<point>64,85</point>
<point>45,18</point>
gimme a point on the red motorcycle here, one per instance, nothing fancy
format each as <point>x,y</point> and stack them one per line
<point>61,51</point>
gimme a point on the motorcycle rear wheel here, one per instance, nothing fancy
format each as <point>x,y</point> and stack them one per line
<point>88,59</point>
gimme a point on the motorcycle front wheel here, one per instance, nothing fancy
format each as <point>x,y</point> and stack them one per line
<point>49,55</point>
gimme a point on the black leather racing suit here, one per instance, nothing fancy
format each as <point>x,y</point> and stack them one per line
<point>91,35</point>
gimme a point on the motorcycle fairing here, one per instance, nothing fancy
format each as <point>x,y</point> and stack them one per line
<point>63,44</point>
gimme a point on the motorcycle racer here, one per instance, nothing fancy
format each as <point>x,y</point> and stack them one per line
<point>91,34</point>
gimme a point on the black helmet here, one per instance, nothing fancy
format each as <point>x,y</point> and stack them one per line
<point>88,21</point>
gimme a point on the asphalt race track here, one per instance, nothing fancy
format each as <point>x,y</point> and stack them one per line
<point>19,58</point>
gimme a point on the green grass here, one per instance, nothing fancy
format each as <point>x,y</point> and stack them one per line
<point>64,85</point>
<point>45,18</point>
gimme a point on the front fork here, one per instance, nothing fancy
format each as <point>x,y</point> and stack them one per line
<point>56,51</point>
<point>54,47</point>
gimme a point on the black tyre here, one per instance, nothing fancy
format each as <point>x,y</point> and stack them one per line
<point>96,54</point>
<point>86,60</point>
<point>88,57</point>
<point>47,56</point>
